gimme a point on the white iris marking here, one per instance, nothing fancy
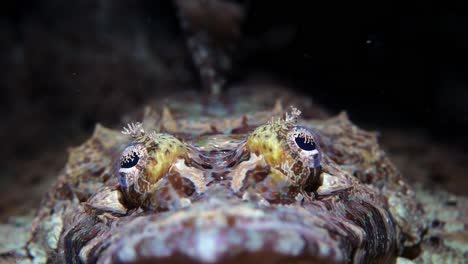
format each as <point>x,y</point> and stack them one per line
<point>314,152</point>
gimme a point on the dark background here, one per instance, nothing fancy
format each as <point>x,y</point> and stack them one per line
<point>66,65</point>
<point>399,64</point>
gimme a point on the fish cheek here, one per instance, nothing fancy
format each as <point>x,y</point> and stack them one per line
<point>176,188</point>
<point>270,183</point>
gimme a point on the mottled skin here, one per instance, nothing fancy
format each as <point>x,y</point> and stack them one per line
<point>234,178</point>
<point>230,184</point>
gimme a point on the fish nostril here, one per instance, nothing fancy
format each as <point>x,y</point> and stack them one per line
<point>206,166</point>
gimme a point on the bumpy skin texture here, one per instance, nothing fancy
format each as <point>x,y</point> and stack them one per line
<point>235,179</point>
<point>227,182</point>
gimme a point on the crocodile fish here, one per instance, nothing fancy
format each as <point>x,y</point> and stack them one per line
<point>236,177</point>
<point>221,180</point>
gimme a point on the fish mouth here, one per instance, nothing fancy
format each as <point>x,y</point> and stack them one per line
<point>248,258</point>
<point>220,232</point>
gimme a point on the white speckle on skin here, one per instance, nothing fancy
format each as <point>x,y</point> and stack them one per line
<point>156,247</point>
<point>290,243</point>
<point>54,226</point>
<point>299,197</point>
<point>126,254</point>
<point>324,249</point>
<point>185,202</point>
<point>37,253</point>
<point>254,241</point>
<point>207,246</point>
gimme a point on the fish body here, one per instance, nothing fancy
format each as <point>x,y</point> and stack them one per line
<point>219,180</point>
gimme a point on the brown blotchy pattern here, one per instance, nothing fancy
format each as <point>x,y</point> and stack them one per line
<point>288,221</point>
<point>359,210</point>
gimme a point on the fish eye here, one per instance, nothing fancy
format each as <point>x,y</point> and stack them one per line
<point>303,142</point>
<point>131,156</point>
<point>130,160</point>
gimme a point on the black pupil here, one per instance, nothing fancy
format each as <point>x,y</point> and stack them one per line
<point>130,162</point>
<point>308,146</point>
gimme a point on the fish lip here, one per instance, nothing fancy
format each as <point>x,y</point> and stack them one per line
<point>263,257</point>
<point>216,235</point>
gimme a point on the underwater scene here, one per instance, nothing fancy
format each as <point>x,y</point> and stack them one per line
<point>233,131</point>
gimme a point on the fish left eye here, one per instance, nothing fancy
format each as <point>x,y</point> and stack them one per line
<point>304,143</point>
